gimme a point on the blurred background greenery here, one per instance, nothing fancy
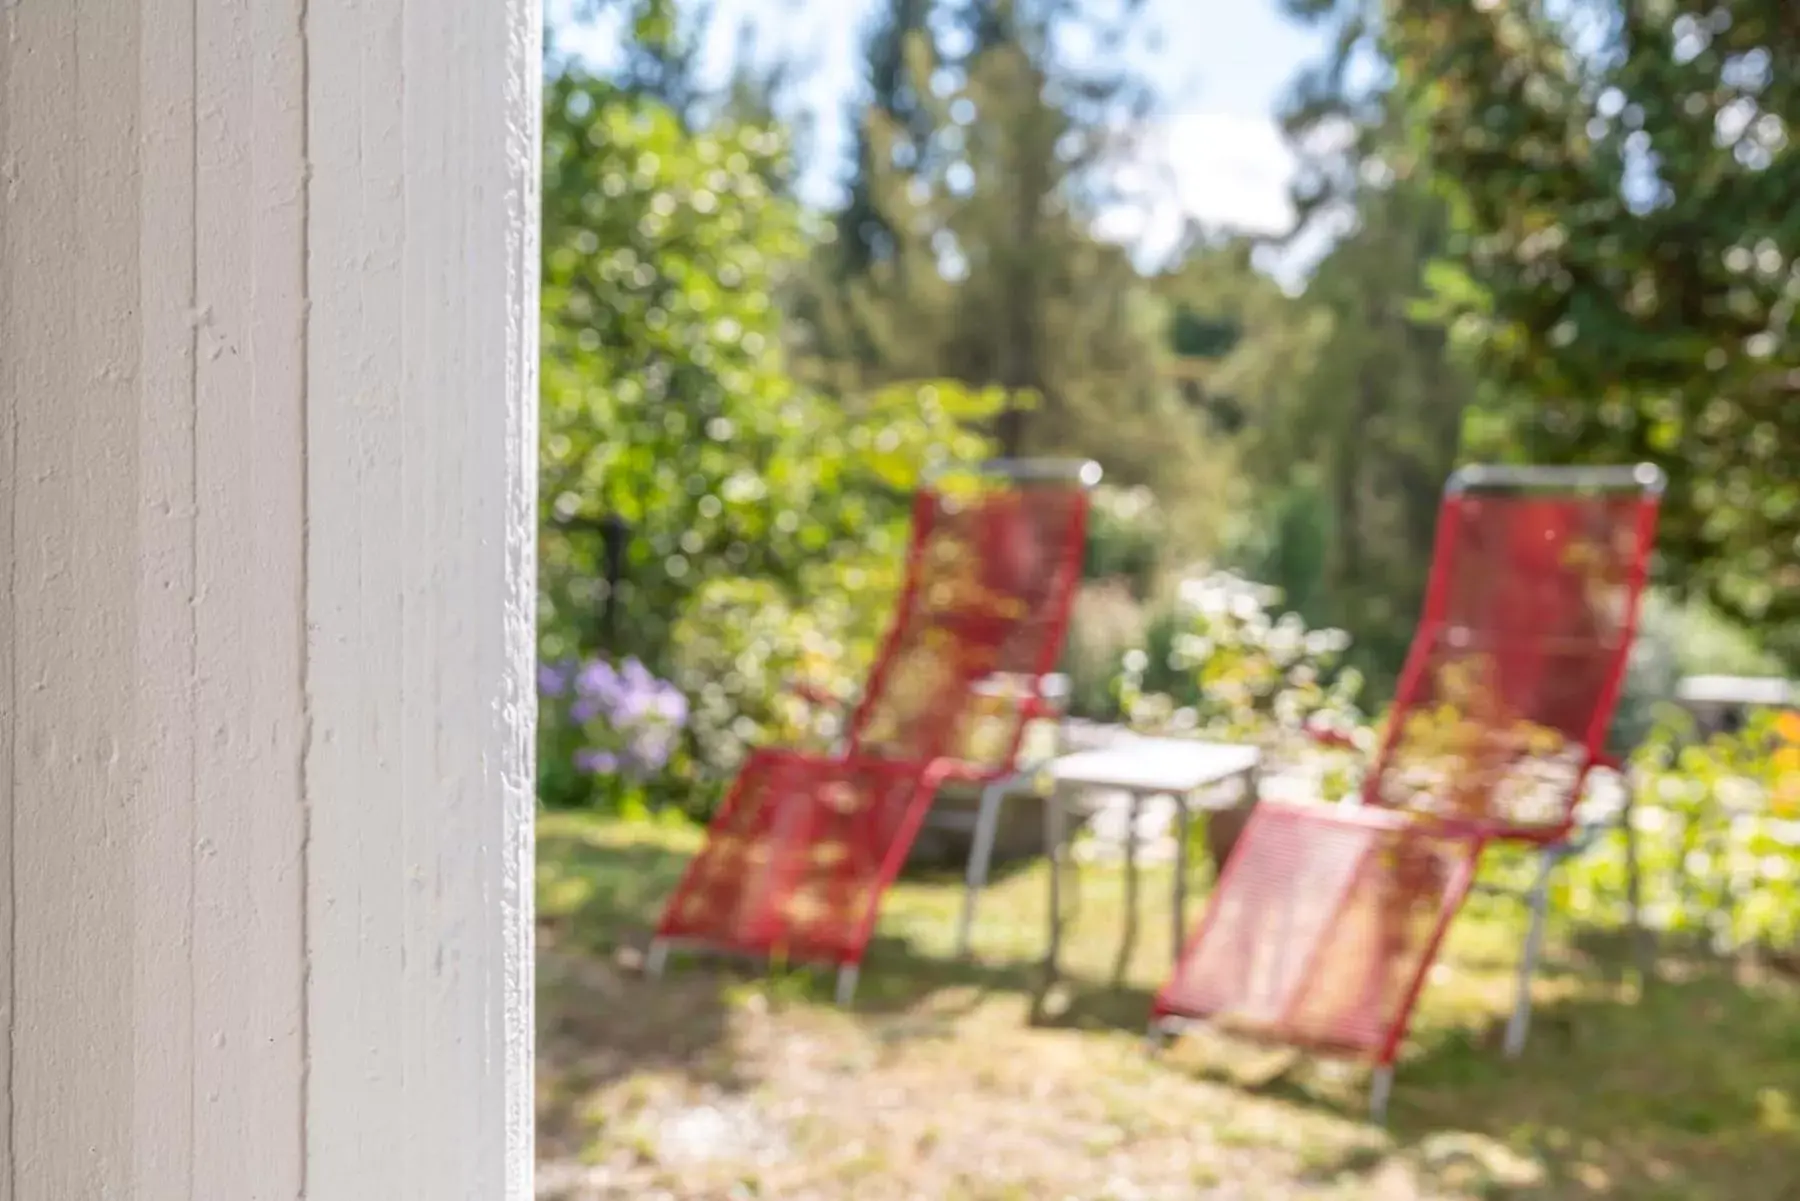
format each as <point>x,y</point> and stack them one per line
<point>1557,234</point>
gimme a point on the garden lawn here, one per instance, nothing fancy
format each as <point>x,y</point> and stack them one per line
<point>962,1081</point>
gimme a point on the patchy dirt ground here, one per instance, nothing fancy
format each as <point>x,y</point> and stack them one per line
<point>965,1082</point>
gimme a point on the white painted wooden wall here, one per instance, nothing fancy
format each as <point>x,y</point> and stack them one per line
<point>267,457</point>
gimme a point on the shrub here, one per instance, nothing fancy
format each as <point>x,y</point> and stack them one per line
<point>749,657</point>
<point>613,728</point>
<point>1125,539</point>
<point>1107,621</point>
<point>1718,837</point>
<point>753,503</point>
<point>1228,669</point>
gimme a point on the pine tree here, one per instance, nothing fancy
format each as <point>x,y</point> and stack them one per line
<point>1354,403</point>
<point>996,276</point>
<point>863,234</point>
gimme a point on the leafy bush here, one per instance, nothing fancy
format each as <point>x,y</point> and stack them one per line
<point>1126,535</point>
<point>749,657</point>
<point>1233,671</point>
<point>613,727</point>
<point>1718,837</point>
<point>667,402</point>
<point>1288,546</point>
<point>1106,622</point>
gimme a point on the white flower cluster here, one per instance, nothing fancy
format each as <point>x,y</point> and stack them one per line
<point>1249,670</point>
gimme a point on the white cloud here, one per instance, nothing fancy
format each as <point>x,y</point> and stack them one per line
<point>1219,169</point>
<point>1225,171</point>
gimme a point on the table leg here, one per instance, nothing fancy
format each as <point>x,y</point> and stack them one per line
<point>1128,943</point>
<point>1181,871</point>
<point>1053,850</point>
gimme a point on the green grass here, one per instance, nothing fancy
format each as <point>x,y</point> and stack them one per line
<point>964,1081</point>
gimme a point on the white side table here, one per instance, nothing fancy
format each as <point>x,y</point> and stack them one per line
<point>1141,767</point>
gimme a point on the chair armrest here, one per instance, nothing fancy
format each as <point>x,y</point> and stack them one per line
<point>1334,739</point>
<point>815,696</point>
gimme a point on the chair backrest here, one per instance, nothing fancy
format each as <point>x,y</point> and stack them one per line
<point>991,576</point>
<point>1509,689</point>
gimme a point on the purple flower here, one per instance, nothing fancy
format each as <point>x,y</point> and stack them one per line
<point>629,711</point>
<point>553,678</point>
<point>596,762</point>
<point>649,750</point>
<point>671,705</point>
<point>636,676</point>
<point>597,679</point>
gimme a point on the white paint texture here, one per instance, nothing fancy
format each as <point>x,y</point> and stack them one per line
<point>267,394</point>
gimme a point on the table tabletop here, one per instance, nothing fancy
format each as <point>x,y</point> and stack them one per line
<point>1171,765</point>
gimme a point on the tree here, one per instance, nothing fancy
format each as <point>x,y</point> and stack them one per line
<point>659,43</point>
<point>1621,178</point>
<point>665,397</point>
<point>995,276</point>
<point>1351,405</point>
<point>894,99</point>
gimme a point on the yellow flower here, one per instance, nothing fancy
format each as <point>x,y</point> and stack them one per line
<point>1785,801</point>
<point>1788,726</point>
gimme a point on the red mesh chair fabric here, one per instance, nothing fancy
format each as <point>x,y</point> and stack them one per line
<point>798,856</point>
<point>1512,680</point>
<point>1325,920</point>
<point>1322,927</point>
<point>794,860</point>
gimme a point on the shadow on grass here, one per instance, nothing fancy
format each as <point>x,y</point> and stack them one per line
<point>600,891</point>
<point>597,1022</point>
<point>1686,1093</point>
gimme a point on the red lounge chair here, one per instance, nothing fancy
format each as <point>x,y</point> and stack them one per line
<point>1326,920</point>
<point>798,856</point>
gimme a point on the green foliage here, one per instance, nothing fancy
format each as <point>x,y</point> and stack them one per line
<point>665,398</point>
<point>1126,537</point>
<point>1353,412</point>
<point>1233,670</point>
<point>967,249</point>
<point>660,44</point>
<point>667,401</point>
<point>1291,547</point>
<point>749,656</point>
<point>1194,336</point>
<point>864,234</point>
<point>1107,622</point>
<point>1621,180</point>
<point>1718,839</point>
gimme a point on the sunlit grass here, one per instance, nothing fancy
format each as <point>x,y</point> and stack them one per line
<point>943,1083</point>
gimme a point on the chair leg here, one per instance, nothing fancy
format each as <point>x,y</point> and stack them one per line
<point>846,984</point>
<point>1519,1024</point>
<point>1381,1087</point>
<point>657,959</point>
<point>981,853</point>
<point>1642,948</point>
